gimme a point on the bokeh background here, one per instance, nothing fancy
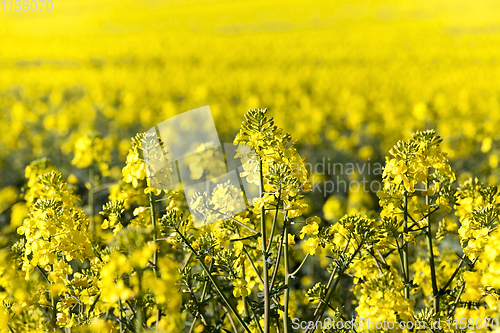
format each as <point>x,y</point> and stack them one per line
<point>346,78</point>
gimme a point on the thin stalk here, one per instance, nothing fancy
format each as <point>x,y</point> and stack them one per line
<point>455,303</point>
<point>287,279</point>
<point>330,280</point>
<point>52,298</point>
<point>253,266</point>
<point>243,298</point>
<point>103,187</point>
<point>192,324</point>
<point>214,283</point>
<point>187,260</point>
<point>381,257</point>
<point>229,217</point>
<point>204,321</point>
<point>300,266</point>
<point>91,198</point>
<point>400,252</point>
<point>53,303</point>
<point>376,260</point>
<point>202,299</point>
<point>224,298</point>
<point>94,303</point>
<point>280,248</point>
<point>256,320</point>
<point>233,325</point>
<point>435,290</point>
<point>421,219</point>
<point>275,222</point>
<point>320,310</point>
<point>10,206</point>
<point>43,273</point>
<point>155,254</point>
<point>121,315</point>
<point>265,277</point>
<point>278,256</point>
<point>131,308</point>
<point>405,249</point>
<point>450,280</point>
<point>139,311</point>
<point>456,300</point>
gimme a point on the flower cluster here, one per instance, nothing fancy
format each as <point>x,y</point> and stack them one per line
<point>55,233</point>
<point>382,299</point>
<point>92,148</point>
<point>418,161</point>
<point>264,148</point>
<point>478,209</point>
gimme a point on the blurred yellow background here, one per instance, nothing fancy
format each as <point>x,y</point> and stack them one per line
<point>352,76</point>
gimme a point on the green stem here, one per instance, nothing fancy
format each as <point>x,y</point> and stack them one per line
<point>255,318</point>
<point>265,277</point>
<point>400,252</point>
<point>198,307</point>
<point>405,249</point>
<point>376,260</point>
<point>212,280</point>
<point>244,299</point>
<point>10,206</point>
<point>233,325</point>
<point>253,265</point>
<point>52,299</point>
<point>224,298</point>
<point>203,293</point>
<point>457,299</point>
<point>43,273</point>
<point>139,313</point>
<point>229,217</point>
<point>452,277</point>
<point>155,255</point>
<point>121,315</point>
<point>91,199</point>
<point>275,222</point>
<point>435,290</point>
<point>278,256</point>
<point>53,303</point>
<point>330,287</point>
<point>287,279</point>
<point>455,303</point>
<point>300,266</point>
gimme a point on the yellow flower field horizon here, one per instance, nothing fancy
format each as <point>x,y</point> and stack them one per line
<point>357,66</point>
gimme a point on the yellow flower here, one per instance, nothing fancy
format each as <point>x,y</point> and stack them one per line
<point>473,290</point>
<point>73,179</point>
<point>240,288</point>
<point>92,148</point>
<point>311,227</point>
<point>313,246</point>
<point>291,240</point>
